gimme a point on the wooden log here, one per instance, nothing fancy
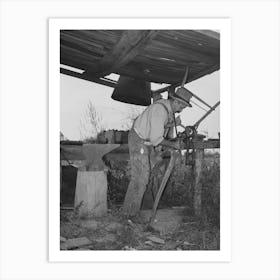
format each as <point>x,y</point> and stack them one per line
<point>100,81</point>
<point>199,155</point>
<point>124,51</point>
<point>91,193</point>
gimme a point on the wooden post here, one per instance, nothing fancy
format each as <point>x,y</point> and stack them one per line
<point>199,155</point>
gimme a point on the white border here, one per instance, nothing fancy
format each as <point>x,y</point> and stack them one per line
<point>55,255</point>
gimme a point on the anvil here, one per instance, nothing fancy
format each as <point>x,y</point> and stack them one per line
<point>90,154</point>
<point>94,153</point>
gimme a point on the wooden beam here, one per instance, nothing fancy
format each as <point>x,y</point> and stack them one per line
<point>125,50</point>
<point>208,144</point>
<point>209,33</point>
<point>103,81</point>
<point>207,114</point>
<point>208,70</point>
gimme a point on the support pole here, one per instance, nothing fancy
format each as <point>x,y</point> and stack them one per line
<point>199,157</point>
<point>207,114</point>
<point>185,77</point>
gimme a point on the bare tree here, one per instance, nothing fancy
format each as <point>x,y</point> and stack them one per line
<point>132,112</point>
<point>91,123</point>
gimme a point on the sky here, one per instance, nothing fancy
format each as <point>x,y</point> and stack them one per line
<point>75,94</point>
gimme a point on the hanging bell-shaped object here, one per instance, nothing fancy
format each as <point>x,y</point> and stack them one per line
<point>132,91</point>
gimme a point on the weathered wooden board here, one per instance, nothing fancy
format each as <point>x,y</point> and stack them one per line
<point>88,78</point>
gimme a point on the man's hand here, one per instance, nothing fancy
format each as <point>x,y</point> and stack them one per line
<point>171,144</point>
<point>177,144</point>
<point>178,121</point>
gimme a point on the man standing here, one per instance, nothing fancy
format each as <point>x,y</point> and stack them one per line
<point>148,132</point>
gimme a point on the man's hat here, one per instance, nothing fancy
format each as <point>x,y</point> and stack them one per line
<point>183,95</point>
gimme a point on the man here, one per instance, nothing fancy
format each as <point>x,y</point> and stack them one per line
<point>149,132</point>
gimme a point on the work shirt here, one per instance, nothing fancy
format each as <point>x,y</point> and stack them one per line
<point>152,124</point>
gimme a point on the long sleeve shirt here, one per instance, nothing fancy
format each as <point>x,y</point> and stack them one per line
<point>151,124</point>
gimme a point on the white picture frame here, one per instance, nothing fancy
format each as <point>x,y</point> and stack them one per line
<point>55,25</point>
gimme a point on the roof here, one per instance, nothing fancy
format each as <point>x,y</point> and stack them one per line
<point>159,56</point>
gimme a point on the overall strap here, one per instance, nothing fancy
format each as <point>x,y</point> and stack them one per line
<point>167,110</point>
<point>164,106</point>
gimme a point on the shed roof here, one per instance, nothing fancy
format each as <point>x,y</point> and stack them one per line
<point>159,56</point>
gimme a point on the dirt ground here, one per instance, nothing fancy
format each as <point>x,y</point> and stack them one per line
<point>173,229</point>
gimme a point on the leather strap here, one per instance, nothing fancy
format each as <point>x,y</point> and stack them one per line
<point>167,111</point>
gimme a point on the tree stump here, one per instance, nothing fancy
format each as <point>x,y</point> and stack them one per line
<point>91,185</point>
<point>91,193</point>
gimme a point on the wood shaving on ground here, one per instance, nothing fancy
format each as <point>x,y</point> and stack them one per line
<point>77,242</point>
<point>156,239</point>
